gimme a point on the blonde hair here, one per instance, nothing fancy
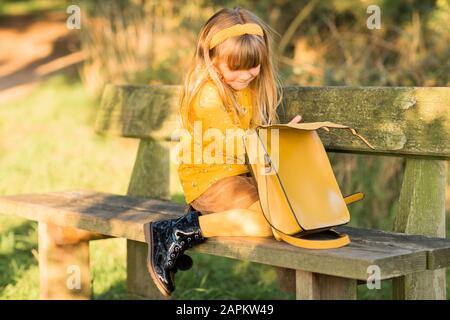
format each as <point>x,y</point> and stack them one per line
<point>240,52</point>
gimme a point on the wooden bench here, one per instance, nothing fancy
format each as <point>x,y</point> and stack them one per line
<point>405,122</point>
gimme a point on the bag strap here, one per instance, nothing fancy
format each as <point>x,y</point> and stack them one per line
<point>354,197</point>
<point>341,240</point>
<point>328,124</point>
<point>325,125</point>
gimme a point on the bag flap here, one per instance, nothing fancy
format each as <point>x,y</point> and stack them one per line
<point>314,126</point>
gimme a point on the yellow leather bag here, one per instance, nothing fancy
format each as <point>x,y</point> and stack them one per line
<point>298,192</point>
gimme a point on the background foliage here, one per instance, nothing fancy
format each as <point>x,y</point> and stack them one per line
<point>320,43</point>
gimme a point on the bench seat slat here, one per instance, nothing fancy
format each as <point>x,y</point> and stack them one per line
<point>437,248</point>
<point>123,216</point>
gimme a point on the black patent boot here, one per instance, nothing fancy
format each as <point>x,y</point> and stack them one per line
<point>167,240</point>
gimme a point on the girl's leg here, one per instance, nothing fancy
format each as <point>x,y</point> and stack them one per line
<point>245,222</point>
<point>230,207</point>
<point>248,222</point>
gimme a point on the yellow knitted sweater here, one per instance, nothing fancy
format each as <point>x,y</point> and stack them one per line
<point>210,112</point>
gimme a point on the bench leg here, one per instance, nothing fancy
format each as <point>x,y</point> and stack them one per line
<point>316,286</point>
<point>63,268</point>
<point>286,279</point>
<point>425,285</point>
<point>421,210</point>
<point>139,282</point>
<point>150,178</point>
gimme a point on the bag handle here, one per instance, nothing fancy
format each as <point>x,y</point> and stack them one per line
<point>341,240</point>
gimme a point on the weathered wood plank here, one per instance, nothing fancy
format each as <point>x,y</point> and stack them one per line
<point>409,121</point>
<point>351,261</point>
<point>316,286</point>
<point>422,211</point>
<point>151,172</point>
<point>124,216</point>
<point>63,268</point>
<point>138,111</point>
<point>438,254</point>
<point>286,279</point>
<point>150,178</point>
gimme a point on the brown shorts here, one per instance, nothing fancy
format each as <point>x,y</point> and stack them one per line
<point>235,192</point>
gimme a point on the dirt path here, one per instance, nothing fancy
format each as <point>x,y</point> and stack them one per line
<point>32,48</point>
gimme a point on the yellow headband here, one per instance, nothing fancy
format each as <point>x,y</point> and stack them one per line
<point>236,30</point>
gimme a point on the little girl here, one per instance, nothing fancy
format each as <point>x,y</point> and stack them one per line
<point>231,83</point>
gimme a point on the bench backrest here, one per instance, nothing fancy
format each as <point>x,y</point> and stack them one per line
<point>410,122</point>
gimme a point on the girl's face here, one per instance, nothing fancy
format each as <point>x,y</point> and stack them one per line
<point>238,79</point>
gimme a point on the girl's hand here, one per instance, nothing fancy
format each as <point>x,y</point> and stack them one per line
<point>296,119</point>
